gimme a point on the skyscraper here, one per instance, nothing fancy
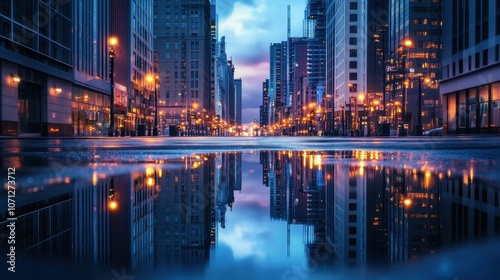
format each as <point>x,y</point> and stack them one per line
<point>238,91</point>
<point>356,28</point>
<point>132,24</point>
<point>91,88</point>
<point>277,81</point>
<point>224,87</point>
<point>183,41</point>
<point>264,113</point>
<point>415,50</point>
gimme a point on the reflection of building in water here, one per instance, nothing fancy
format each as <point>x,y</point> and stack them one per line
<point>132,222</point>
<point>350,224</point>
<point>225,183</point>
<point>91,230</point>
<point>44,220</point>
<point>356,224</point>
<point>376,215</point>
<point>183,214</point>
<point>264,160</point>
<point>414,214</point>
<point>273,163</point>
<point>470,209</point>
<point>297,183</point>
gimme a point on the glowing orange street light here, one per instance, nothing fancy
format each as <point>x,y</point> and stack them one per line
<point>113,41</point>
<point>113,205</point>
<point>407,202</point>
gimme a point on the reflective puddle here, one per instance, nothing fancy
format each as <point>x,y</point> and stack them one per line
<point>251,215</point>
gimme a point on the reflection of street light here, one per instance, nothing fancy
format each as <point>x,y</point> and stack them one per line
<point>112,204</point>
<point>407,202</point>
<point>154,79</point>
<point>112,42</point>
<point>408,43</point>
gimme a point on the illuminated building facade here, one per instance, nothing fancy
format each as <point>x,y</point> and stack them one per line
<point>470,85</point>
<point>184,32</point>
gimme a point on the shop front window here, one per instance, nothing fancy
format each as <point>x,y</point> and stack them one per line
<point>495,105</point>
<point>483,106</point>
<point>472,108</point>
<point>462,113</point>
<point>452,111</point>
<point>90,113</point>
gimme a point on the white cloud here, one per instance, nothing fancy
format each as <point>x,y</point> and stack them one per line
<point>243,242</point>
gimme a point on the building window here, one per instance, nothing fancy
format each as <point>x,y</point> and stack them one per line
<point>472,108</point>
<point>352,230</point>
<point>352,241</point>
<point>462,114</point>
<point>485,57</point>
<point>483,106</point>
<point>353,76</point>
<point>495,105</point>
<point>353,41</point>
<point>353,53</point>
<point>353,5</point>
<point>452,109</point>
<point>353,65</point>
<point>353,29</point>
<point>353,17</point>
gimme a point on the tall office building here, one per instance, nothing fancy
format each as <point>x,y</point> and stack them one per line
<point>264,112</point>
<point>356,51</point>
<point>184,33</point>
<point>224,87</point>
<point>36,65</point>
<point>238,91</point>
<point>131,23</point>
<point>91,87</point>
<point>297,58</point>
<point>277,81</point>
<point>331,122</point>
<point>213,53</point>
<point>315,32</point>
<point>470,86</point>
<point>420,24</point>
<point>350,59</point>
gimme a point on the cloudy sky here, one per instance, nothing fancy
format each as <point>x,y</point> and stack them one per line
<point>250,26</point>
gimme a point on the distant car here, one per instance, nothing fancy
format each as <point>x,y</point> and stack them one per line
<point>438,131</point>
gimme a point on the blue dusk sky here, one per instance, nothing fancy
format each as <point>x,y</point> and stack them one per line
<point>250,26</point>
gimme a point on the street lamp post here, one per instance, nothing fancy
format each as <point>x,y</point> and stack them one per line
<point>418,126</point>
<point>154,79</point>
<point>78,106</point>
<point>342,116</point>
<point>406,43</point>
<point>112,42</point>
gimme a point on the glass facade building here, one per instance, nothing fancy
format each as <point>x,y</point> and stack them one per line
<point>470,87</point>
